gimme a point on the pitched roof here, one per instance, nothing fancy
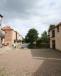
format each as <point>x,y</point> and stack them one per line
<point>59,24</point>
<point>7,28</point>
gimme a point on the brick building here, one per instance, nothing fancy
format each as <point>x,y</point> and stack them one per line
<point>11,36</point>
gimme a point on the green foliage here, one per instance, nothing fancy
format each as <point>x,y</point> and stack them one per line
<point>31,36</point>
<point>44,37</point>
<point>38,42</point>
<point>44,45</point>
<point>43,42</point>
<point>34,41</point>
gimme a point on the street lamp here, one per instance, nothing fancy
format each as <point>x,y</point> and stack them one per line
<point>2,33</point>
<point>1,17</point>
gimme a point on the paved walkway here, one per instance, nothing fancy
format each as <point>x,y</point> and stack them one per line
<point>46,53</point>
<point>51,65</point>
<point>27,62</point>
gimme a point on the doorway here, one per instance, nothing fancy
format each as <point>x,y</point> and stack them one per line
<point>53,44</point>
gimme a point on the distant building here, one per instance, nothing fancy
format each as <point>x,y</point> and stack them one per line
<point>55,37</point>
<point>11,36</point>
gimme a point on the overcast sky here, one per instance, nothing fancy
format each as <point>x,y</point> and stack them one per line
<point>26,14</point>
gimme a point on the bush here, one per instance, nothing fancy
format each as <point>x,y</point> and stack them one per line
<point>43,45</point>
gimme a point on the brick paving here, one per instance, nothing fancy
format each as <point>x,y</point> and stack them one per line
<point>27,62</point>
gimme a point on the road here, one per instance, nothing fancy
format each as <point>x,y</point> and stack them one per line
<point>30,62</point>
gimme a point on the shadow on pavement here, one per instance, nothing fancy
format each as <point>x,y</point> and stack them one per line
<point>49,68</point>
<point>45,53</point>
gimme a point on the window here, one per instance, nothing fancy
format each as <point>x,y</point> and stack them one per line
<point>57,28</point>
<point>53,33</point>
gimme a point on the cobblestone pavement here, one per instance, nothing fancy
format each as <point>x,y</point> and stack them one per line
<point>27,62</point>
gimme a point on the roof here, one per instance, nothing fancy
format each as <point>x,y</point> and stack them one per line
<point>7,28</point>
<point>54,26</point>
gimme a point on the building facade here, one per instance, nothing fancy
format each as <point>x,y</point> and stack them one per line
<point>55,37</point>
<point>11,36</point>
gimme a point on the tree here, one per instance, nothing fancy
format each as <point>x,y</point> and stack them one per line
<point>31,36</point>
<point>44,37</point>
<point>38,43</point>
<point>43,41</point>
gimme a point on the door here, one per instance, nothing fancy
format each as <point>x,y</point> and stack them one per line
<point>53,44</point>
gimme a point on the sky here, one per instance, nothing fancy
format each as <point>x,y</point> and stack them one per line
<point>26,14</point>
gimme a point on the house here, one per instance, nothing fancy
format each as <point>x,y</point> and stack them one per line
<point>55,37</point>
<point>11,36</point>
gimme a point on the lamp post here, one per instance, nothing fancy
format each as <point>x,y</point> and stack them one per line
<point>2,33</point>
<point>1,17</point>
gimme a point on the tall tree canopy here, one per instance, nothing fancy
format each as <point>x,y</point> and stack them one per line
<point>31,36</point>
<point>44,37</point>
